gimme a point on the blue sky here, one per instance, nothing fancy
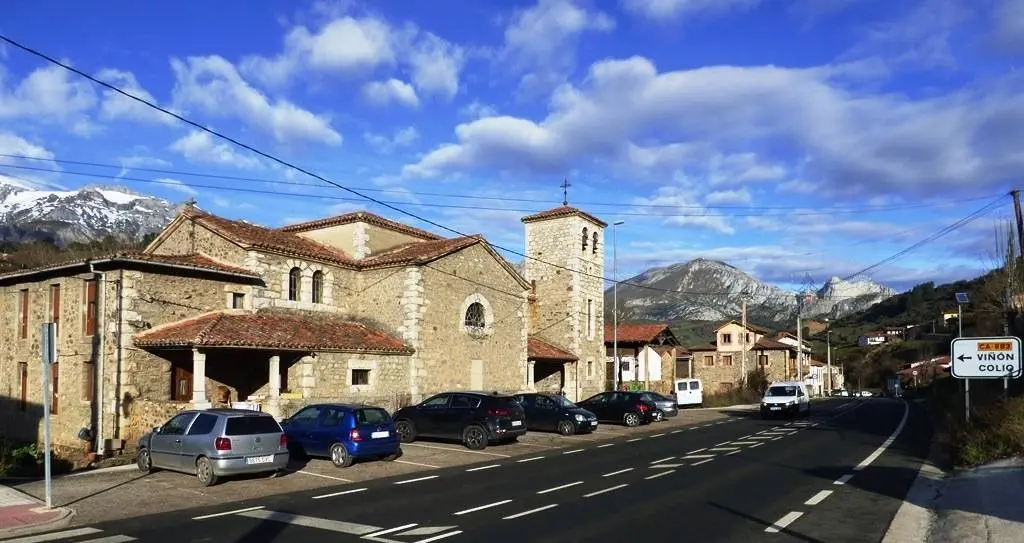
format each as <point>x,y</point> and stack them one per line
<point>781,136</point>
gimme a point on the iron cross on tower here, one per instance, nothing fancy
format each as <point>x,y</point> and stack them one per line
<point>565,191</point>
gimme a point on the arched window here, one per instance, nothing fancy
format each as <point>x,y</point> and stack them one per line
<point>294,284</point>
<point>475,317</point>
<point>585,238</point>
<point>318,287</point>
<point>595,243</point>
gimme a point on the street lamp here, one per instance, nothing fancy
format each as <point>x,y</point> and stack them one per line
<point>961,301</point>
<point>615,302</point>
<point>828,354</point>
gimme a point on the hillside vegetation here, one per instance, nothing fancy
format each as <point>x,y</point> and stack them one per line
<point>42,253</point>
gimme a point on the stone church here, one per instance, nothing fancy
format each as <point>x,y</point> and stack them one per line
<point>355,308</point>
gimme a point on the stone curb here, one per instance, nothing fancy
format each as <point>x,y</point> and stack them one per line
<point>62,520</point>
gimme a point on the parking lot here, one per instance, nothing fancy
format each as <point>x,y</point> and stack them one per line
<point>124,492</point>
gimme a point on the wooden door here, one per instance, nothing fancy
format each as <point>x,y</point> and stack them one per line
<point>181,384</point>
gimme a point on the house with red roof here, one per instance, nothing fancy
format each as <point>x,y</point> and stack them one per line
<point>648,353</point>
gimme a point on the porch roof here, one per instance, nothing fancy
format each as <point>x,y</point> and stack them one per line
<point>285,330</point>
<point>538,349</point>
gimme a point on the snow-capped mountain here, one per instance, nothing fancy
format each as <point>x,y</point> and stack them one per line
<point>709,290</point>
<point>35,213</point>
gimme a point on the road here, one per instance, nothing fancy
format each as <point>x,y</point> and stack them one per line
<point>836,476</point>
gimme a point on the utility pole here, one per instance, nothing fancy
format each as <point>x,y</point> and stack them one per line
<point>828,354</point>
<point>615,304</point>
<point>743,344</point>
<point>800,338</point>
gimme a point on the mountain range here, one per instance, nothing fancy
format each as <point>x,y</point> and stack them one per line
<point>710,290</point>
<point>30,212</point>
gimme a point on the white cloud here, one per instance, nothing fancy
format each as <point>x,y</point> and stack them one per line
<point>435,65</point>
<point>1008,18</point>
<point>385,144</point>
<point>213,86</point>
<point>729,197</point>
<point>691,213</point>
<point>921,38</point>
<point>540,42</point>
<point>478,110</point>
<point>116,106</point>
<point>12,144</point>
<point>848,142</point>
<point>661,10</point>
<point>199,146</point>
<point>176,184</point>
<point>381,93</point>
<point>50,94</point>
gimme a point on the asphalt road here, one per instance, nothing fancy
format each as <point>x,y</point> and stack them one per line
<point>833,477</point>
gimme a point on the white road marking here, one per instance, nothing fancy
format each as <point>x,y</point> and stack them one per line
<point>634,439</point>
<point>723,449</point>
<point>53,536</point>
<point>843,480</point>
<point>777,438</point>
<point>416,480</point>
<point>617,472</point>
<point>414,464</point>
<point>663,460</point>
<point>663,466</point>
<point>747,437</point>
<point>391,530</point>
<point>574,451</point>
<point>743,442</point>
<point>333,494</point>
<point>756,445</point>
<point>605,445</point>
<point>560,487</point>
<point>224,514</point>
<point>737,451</point>
<point>535,445</point>
<point>436,537</point>
<point>722,443</point>
<point>313,522</point>
<point>887,443</point>
<point>760,437</point>
<point>696,451</point>
<point>426,530</point>
<point>609,489</point>
<point>528,459</point>
<point>695,456</point>
<point>657,435</point>
<point>331,477</point>
<point>783,522</point>
<point>482,507</point>
<point>702,462</point>
<point>675,431</point>
<point>494,466</point>
<point>530,512</point>
<point>818,498</point>
<point>662,474</point>
<point>451,449</point>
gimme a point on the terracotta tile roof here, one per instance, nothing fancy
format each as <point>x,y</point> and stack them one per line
<point>634,332</point>
<point>419,252</point>
<point>703,347</point>
<point>538,349</point>
<point>562,211</point>
<point>196,261</point>
<point>769,344</point>
<point>260,237</point>
<point>273,329</point>
<point>361,216</point>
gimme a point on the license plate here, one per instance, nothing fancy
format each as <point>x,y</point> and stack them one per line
<point>517,423</point>
<point>593,423</point>
<point>378,435</point>
<point>259,459</point>
<point>776,408</point>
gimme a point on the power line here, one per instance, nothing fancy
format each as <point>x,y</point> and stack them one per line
<point>287,164</point>
<point>177,182</point>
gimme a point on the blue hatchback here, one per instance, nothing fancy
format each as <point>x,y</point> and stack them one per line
<point>342,432</point>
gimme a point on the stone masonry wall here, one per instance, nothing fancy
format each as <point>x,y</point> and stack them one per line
<point>188,237</point>
<point>338,291</point>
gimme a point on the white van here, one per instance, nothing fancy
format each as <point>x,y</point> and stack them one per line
<point>787,398</point>
<point>689,392</point>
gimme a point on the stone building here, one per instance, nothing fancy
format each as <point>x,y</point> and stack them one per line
<point>355,308</point>
<point>648,353</point>
<point>719,364</point>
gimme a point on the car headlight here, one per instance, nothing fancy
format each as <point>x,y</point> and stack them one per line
<point>791,402</point>
<point>579,418</point>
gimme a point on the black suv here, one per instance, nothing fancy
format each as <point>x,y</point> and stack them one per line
<point>626,407</point>
<point>474,418</point>
<point>554,413</point>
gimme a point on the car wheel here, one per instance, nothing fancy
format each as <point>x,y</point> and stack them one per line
<point>474,438</point>
<point>631,419</point>
<point>340,457</point>
<point>406,431</point>
<point>204,472</point>
<point>659,415</point>
<point>566,428</point>
<point>143,461</point>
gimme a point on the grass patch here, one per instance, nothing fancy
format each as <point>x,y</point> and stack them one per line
<point>26,460</point>
<point>996,429</point>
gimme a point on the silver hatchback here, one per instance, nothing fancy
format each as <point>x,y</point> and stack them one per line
<point>214,443</point>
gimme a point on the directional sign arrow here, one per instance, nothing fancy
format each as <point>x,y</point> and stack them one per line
<point>963,357</point>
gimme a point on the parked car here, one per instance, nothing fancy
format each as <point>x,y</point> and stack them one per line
<point>666,407</point>
<point>689,392</point>
<point>555,413</point>
<point>342,432</point>
<point>625,407</point>
<point>215,443</point>
<point>474,418</point>
<point>789,398</point>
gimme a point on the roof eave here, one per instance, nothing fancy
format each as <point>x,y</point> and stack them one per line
<point>110,263</point>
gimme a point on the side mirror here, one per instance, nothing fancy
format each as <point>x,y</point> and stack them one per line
<point>157,429</point>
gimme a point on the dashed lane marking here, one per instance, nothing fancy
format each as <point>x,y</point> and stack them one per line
<point>633,440</point>
<point>720,449</point>
<point>605,445</point>
<point>609,489</point>
<point>783,522</point>
<point>818,498</point>
<point>663,460</point>
<point>662,474</point>
<point>492,466</point>
<point>227,513</point>
<point>843,480</point>
<point>416,480</point>
<point>481,507</point>
<point>702,462</point>
<point>696,456</point>
<point>743,442</point>
<point>574,451</point>
<point>665,466</point>
<point>657,435</point>
<point>559,487</point>
<point>342,493</point>
<point>530,512</point>
<point>697,451</point>
<point>621,471</point>
<point>756,445</point>
<point>529,459</point>
<point>737,451</point>
<point>675,431</point>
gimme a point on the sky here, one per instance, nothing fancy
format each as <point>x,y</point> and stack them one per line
<point>793,139</point>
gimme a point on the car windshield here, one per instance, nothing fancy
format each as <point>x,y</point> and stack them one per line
<point>775,392</point>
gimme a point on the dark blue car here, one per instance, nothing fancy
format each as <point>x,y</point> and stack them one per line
<point>342,432</point>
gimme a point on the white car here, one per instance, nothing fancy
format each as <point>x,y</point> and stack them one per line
<point>786,398</point>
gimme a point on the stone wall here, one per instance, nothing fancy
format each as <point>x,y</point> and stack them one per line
<point>144,414</point>
<point>187,237</point>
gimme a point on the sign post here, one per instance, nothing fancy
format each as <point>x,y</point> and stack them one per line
<point>984,358</point>
<point>48,344</point>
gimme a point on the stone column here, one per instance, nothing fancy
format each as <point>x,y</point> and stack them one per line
<point>531,383</point>
<point>307,377</point>
<point>569,380</point>
<point>199,398</point>
<point>274,388</point>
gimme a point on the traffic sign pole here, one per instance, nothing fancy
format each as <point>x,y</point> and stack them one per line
<point>984,358</point>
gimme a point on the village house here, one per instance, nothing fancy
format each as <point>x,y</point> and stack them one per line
<point>350,308</point>
<point>719,364</point>
<point>648,353</point>
<point>872,339</point>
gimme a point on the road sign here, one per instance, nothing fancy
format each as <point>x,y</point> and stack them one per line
<point>985,357</point>
<point>914,372</point>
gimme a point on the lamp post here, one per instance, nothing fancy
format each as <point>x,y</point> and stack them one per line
<point>828,354</point>
<point>961,301</point>
<point>615,303</point>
